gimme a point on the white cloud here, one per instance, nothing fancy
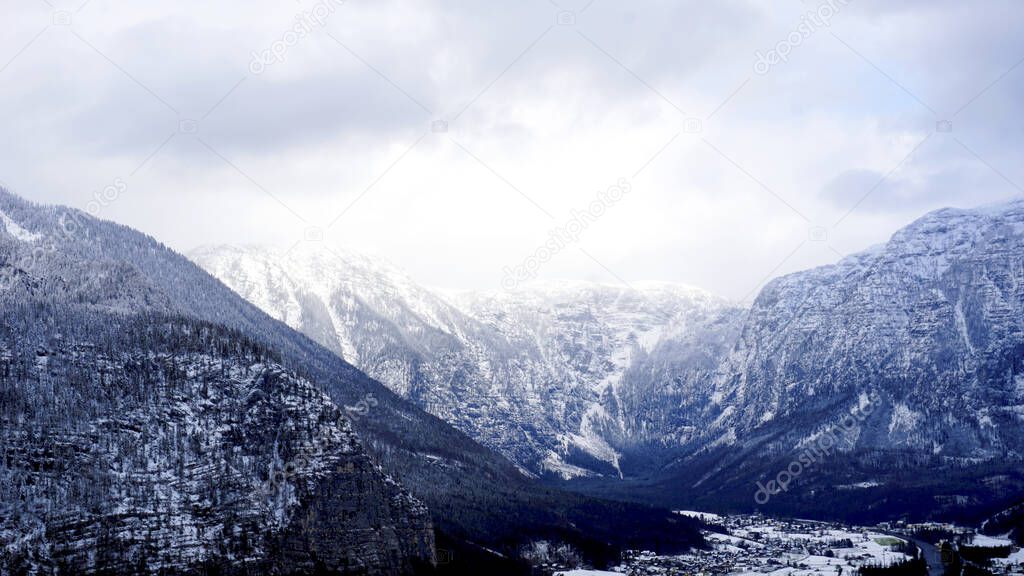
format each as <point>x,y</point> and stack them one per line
<point>539,114</point>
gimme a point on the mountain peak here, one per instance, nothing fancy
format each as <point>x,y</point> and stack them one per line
<point>542,361</point>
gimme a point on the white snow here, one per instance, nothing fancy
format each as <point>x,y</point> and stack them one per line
<point>15,229</point>
<point>904,419</point>
<point>1016,558</point>
<point>961,325</point>
<point>554,463</point>
<point>990,541</point>
<point>704,516</point>
<point>860,485</point>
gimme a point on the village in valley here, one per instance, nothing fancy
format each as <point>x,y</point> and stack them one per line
<point>751,545</point>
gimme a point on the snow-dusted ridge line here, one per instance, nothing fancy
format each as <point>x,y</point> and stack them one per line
<point>930,320</point>
<point>498,365</point>
<point>574,378</point>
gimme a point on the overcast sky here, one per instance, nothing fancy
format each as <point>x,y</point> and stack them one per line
<point>750,139</point>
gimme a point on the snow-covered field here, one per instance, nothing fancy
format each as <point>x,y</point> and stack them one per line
<point>757,546</point>
<point>1015,560</point>
<point>703,516</point>
<point>760,546</point>
<point>990,541</point>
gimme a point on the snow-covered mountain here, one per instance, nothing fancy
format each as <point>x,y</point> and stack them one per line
<point>152,444</point>
<point>905,362</point>
<point>597,357</point>
<point>139,437</point>
<point>142,402</point>
<point>921,339</point>
<point>563,378</point>
<point>931,322</point>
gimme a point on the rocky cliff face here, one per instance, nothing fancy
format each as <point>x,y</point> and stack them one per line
<point>923,335</point>
<point>608,365</point>
<point>932,322</point>
<point>563,379</point>
<point>145,444</point>
<point>478,500</point>
<point>888,383</point>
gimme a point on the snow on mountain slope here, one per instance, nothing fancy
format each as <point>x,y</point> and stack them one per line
<point>533,373</point>
<point>580,379</point>
<point>16,231</point>
<point>472,493</point>
<point>146,444</point>
<point>326,292</point>
<point>595,340</point>
<point>933,321</point>
<point>897,369</point>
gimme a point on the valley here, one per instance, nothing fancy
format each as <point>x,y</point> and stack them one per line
<point>749,545</point>
<point>545,288</point>
<point>550,423</point>
<point>912,350</point>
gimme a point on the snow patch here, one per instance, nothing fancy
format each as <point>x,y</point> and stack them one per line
<point>15,230</point>
<point>904,419</point>
<point>702,516</point>
<point>566,471</point>
<point>990,541</point>
<point>860,485</point>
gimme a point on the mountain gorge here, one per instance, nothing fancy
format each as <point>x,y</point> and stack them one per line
<point>146,407</point>
<point>667,394</point>
<point>556,377</point>
<point>923,337</point>
<point>319,410</point>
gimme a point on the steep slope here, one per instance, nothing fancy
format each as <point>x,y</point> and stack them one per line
<point>538,374</point>
<point>473,494</point>
<point>1008,521</point>
<point>919,340</point>
<point>905,361</point>
<point>933,321</point>
<point>596,357</point>
<point>138,443</point>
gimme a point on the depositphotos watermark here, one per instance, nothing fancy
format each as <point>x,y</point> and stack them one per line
<point>42,247</point>
<point>810,22</point>
<point>363,407</point>
<point>103,198</point>
<point>845,431</point>
<point>565,235</point>
<point>69,225</point>
<point>305,24</point>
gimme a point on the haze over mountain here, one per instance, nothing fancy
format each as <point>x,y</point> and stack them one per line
<point>923,336</point>
<point>546,374</point>
<point>924,333</point>
<point>182,400</point>
<point>727,288</point>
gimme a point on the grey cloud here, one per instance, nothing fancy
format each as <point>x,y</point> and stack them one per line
<point>73,120</point>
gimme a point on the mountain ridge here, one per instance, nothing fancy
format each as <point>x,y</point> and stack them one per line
<point>634,390</point>
<point>931,324</point>
<point>488,355</point>
<point>467,488</point>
